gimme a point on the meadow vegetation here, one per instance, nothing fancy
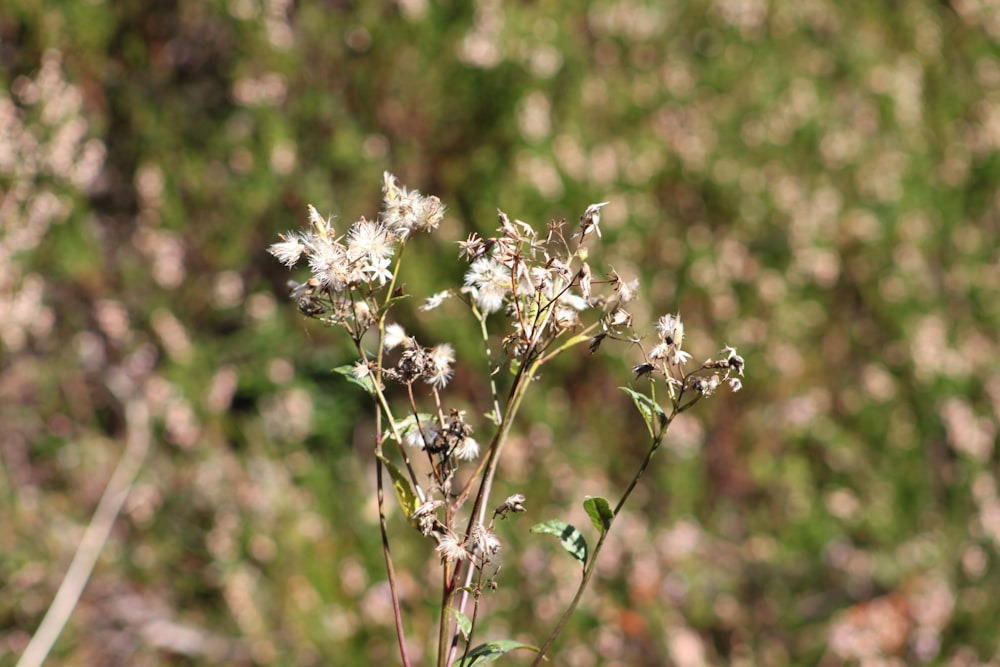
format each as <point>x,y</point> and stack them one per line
<point>812,182</point>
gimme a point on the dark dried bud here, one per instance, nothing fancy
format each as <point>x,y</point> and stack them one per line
<point>643,369</point>
<point>514,503</point>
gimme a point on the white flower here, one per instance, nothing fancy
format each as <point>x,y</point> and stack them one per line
<point>671,330</point>
<point>363,313</point>
<point>435,300</point>
<point>660,352</point>
<point>329,264</point>
<point>620,318</point>
<point>679,357</point>
<point>734,360</point>
<point>591,219</point>
<point>490,281</point>
<point>426,508</point>
<point>402,210</point>
<point>430,215</point>
<point>450,548</point>
<point>467,450</point>
<point>290,250</point>
<point>484,541</point>
<point>442,357</point>
<point>627,289</point>
<point>540,278</point>
<point>566,317</point>
<point>395,336</point>
<point>705,386</point>
<point>574,301</point>
<point>369,240</point>
<point>669,354</point>
<point>360,370</point>
<point>379,270</point>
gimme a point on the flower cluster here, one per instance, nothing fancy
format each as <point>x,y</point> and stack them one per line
<point>406,211</point>
<point>360,261</point>
<point>481,546</point>
<point>444,438</point>
<point>542,283</point>
<point>541,289</point>
<point>432,365</point>
<point>666,359</point>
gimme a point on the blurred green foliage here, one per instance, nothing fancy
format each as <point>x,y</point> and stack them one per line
<point>814,182</point>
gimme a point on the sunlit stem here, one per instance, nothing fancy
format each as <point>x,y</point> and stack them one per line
<point>380,485</point>
<point>389,570</point>
<point>521,383</point>
<point>588,571</point>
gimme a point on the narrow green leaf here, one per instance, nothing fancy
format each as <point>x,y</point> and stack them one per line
<point>407,498</point>
<point>487,653</point>
<point>392,301</point>
<point>464,624</point>
<point>647,408</point>
<point>572,540</point>
<point>365,383</point>
<point>600,513</point>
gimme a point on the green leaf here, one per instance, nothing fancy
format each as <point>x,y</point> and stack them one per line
<point>389,303</point>
<point>365,383</point>
<point>600,513</point>
<point>486,653</point>
<point>572,540</point>
<point>407,498</point>
<point>464,624</point>
<point>647,408</point>
<point>405,426</point>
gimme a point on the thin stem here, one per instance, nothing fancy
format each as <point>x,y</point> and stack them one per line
<point>423,434</point>
<point>497,416</point>
<point>592,562</point>
<point>379,482</point>
<point>443,614</point>
<point>475,613</point>
<point>390,571</point>
<point>521,381</point>
<point>116,492</point>
<point>383,404</point>
<point>497,413</point>
<point>575,340</point>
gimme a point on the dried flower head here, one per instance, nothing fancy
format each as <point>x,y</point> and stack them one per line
<point>322,226</point>
<point>467,449</point>
<point>484,542</point>
<point>442,357</point>
<point>290,250</point>
<point>369,241</point>
<point>450,548</point>
<point>671,330</point>
<point>591,219</point>
<point>488,281</point>
<point>395,336</point>
<point>514,503</point>
<point>406,211</point>
<point>435,300</point>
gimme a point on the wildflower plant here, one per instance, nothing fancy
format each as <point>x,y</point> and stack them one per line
<point>534,292</point>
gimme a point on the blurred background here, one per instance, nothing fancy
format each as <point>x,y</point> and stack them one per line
<point>813,182</point>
